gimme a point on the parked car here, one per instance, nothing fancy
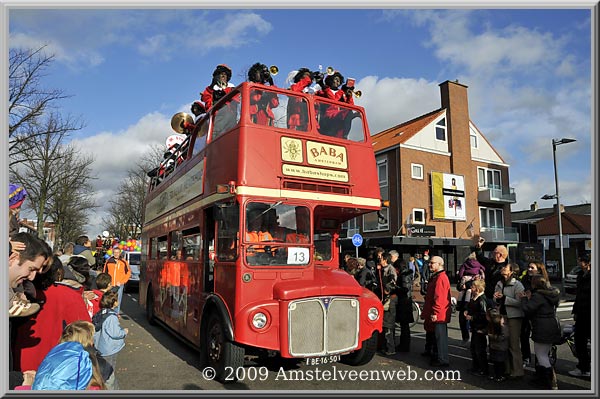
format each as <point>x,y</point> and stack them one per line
<point>570,281</point>
<point>135,260</point>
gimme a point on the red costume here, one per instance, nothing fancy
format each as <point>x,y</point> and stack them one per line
<point>297,112</point>
<point>261,107</point>
<point>63,305</point>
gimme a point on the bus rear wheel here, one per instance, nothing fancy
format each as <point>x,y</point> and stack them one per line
<point>222,355</point>
<point>364,354</point>
<point>150,316</point>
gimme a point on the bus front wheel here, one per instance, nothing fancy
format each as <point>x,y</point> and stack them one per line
<point>222,355</point>
<point>364,354</point>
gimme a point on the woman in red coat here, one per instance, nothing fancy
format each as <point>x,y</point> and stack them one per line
<point>62,303</point>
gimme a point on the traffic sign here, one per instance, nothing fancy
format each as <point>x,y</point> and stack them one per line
<point>357,240</point>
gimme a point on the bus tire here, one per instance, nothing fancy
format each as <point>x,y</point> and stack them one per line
<point>363,355</point>
<point>222,355</point>
<point>150,316</point>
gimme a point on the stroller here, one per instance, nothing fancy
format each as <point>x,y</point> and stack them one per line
<point>568,337</point>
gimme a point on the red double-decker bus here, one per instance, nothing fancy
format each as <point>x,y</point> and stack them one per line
<point>240,238</point>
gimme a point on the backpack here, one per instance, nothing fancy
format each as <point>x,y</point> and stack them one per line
<point>99,317</point>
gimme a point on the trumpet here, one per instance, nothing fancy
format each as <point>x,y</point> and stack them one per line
<point>357,93</point>
<point>329,70</point>
<point>273,70</point>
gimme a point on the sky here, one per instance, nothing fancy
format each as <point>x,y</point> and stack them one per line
<point>528,72</point>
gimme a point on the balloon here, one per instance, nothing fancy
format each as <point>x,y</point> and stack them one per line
<point>121,246</point>
<point>105,234</point>
<point>122,243</point>
<point>106,255</point>
<point>138,249</point>
<point>109,251</point>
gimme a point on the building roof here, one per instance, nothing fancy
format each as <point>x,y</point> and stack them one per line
<point>571,224</point>
<point>529,216</point>
<point>401,133</point>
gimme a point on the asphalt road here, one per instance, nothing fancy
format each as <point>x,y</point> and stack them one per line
<point>153,359</point>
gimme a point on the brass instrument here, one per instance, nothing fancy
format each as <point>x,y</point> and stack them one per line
<point>178,120</point>
<point>357,93</point>
<point>330,71</point>
<point>273,70</point>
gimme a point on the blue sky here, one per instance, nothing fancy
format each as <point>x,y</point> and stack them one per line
<point>528,72</point>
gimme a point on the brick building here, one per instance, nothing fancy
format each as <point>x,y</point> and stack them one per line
<point>445,183</point>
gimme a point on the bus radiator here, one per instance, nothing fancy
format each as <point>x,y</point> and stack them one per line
<point>322,326</point>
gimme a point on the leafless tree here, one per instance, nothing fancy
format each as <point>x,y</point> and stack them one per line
<point>126,212</point>
<point>30,103</point>
<point>43,166</point>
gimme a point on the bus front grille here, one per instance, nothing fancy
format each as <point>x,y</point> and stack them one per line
<point>321,326</point>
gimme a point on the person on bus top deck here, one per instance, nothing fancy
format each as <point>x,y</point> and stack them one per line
<point>296,109</point>
<point>198,110</point>
<point>262,103</point>
<point>333,120</point>
<point>219,87</point>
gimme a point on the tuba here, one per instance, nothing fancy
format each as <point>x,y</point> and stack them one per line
<point>178,120</point>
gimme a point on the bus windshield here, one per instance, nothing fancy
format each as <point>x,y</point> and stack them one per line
<point>277,234</point>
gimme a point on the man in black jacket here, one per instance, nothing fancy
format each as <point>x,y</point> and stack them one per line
<point>582,314</point>
<point>492,265</point>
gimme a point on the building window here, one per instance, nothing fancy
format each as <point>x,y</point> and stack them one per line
<point>491,218</point>
<point>473,141</point>
<point>416,171</point>
<point>377,221</point>
<point>418,216</point>
<point>490,179</point>
<point>351,227</point>
<point>440,130</point>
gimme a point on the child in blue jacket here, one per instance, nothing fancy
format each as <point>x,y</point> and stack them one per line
<point>109,338</point>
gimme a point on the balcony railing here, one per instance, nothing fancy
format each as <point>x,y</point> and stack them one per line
<point>497,194</point>
<point>503,234</point>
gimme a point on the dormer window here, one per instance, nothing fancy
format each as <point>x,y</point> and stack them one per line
<point>440,130</point>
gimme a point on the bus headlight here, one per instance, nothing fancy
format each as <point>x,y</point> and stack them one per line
<point>259,320</point>
<point>373,314</point>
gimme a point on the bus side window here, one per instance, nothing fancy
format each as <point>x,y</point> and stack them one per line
<point>191,244</point>
<point>161,247</point>
<point>226,117</point>
<point>175,250</point>
<point>152,250</point>
<point>200,140</point>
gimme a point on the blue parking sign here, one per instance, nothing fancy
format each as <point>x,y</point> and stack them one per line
<point>357,240</point>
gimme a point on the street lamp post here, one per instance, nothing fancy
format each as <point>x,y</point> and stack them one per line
<point>556,196</point>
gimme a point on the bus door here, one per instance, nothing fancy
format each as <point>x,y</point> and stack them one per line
<point>227,222</point>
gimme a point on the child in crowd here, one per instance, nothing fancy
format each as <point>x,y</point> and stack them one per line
<point>103,284</point>
<point>477,317</point>
<point>498,335</point>
<point>470,271</point>
<point>109,338</point>
<point>390,302</point>
<point>66,367</point>
<point>83,332</point>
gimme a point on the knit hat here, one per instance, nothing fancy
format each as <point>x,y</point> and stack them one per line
<point>16,195</point>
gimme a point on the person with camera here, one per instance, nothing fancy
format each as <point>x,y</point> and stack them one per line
<point>297,112</point>
<point>261,102</point>
<point>492,265</point>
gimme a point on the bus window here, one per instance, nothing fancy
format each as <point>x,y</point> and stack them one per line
<point>268,226</point>
<point>152,250</point>
<point>175,250</point>
<point>161,247</point>
<point>340,121</point>
<point>323,246</point>
<point>191,244</point>
<point>200,141</point>
<point>228,231</point>
<point>263,104</point>
<point>295,113</point>
<point>226,116</point>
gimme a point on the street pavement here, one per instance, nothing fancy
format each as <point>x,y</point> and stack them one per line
<point>154,360</point>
